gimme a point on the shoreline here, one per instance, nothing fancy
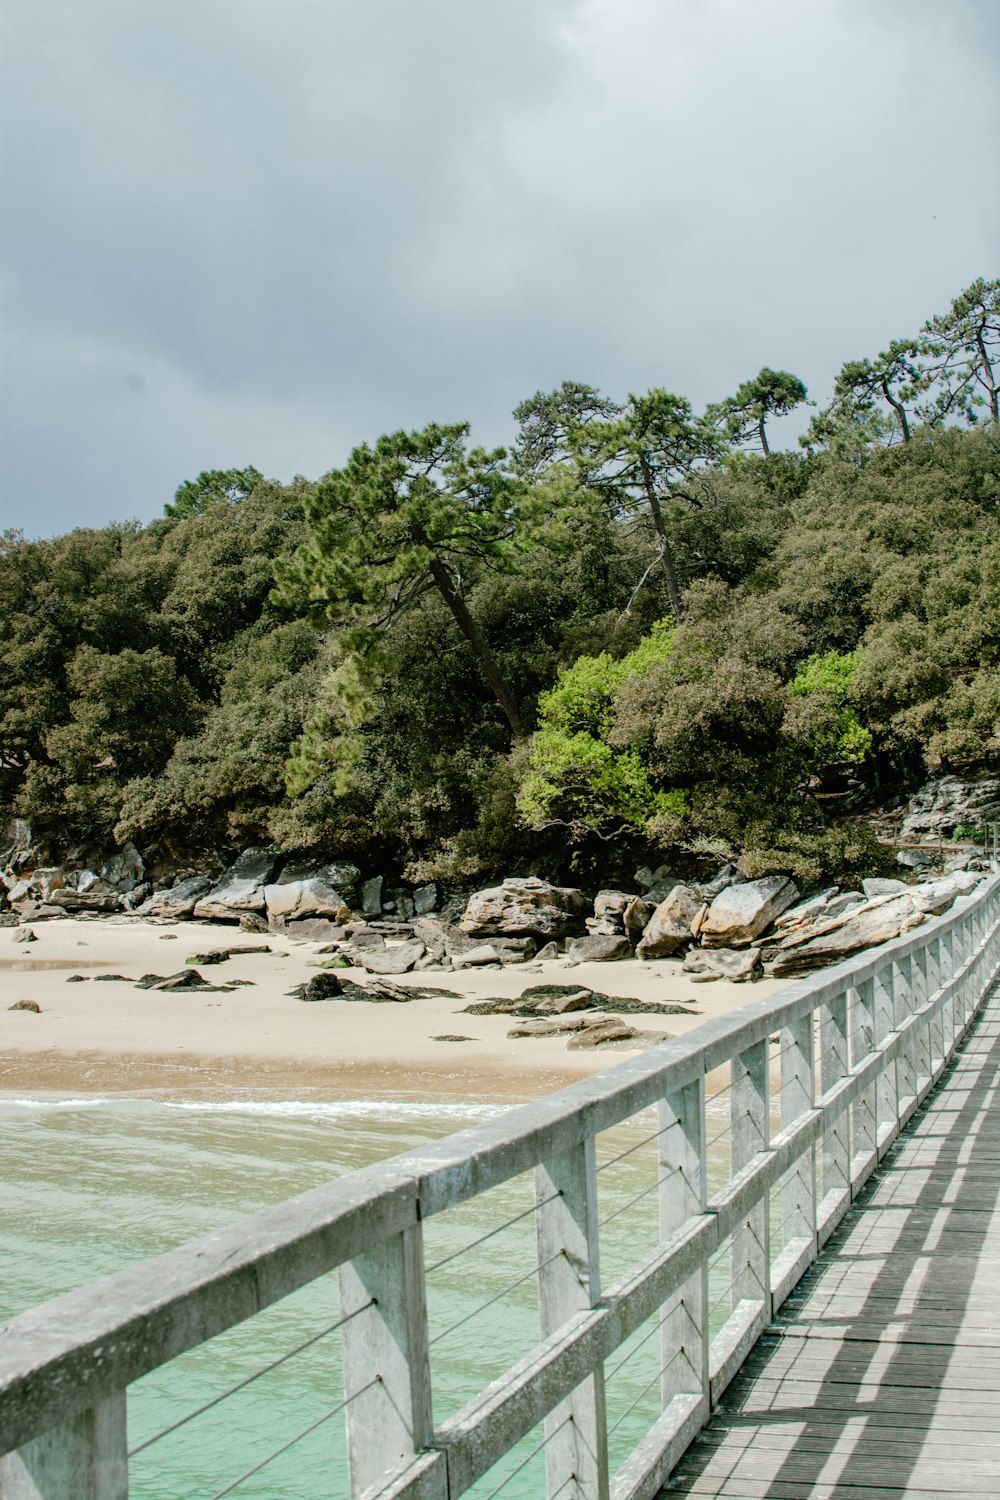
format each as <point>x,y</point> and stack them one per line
<point>114,1040</point>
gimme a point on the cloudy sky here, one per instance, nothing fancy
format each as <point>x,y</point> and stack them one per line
<point>259,231</point>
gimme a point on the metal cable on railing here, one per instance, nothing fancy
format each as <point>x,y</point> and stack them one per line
<point>610,1374</point>
<point>249,1380</point>
<point>638,1145</point>
<point>341,1405</point>
<point>643,1393</point>
<point>491,1233</point>
<point>526,1461</point>
<point>511,1286</point>
<point>632,1201</point>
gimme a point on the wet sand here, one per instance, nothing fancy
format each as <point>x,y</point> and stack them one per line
<point>108,1038</point>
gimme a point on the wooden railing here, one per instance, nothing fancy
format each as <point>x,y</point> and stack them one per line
<point>816,1080</point>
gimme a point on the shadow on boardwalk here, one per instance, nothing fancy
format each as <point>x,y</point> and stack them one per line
<point>881,1377</point>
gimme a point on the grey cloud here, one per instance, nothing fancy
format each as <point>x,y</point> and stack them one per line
<point>244,232</point>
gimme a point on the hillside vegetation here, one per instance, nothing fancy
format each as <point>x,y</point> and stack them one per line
<point>642,627</point>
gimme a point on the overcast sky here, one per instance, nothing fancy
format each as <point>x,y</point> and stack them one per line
<point>259,231</point>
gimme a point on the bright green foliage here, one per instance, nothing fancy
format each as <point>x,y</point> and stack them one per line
<point>829,725</point>
<point>771,393</point>
<point>574,775</point>
<point>231,486</point>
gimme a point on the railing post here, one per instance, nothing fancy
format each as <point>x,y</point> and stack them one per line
<point>683,1193</point>
<point>576,1450</point>
<point>924,1065</point>
<point>936,1040</point>
<point>798,1189</point>
<point>84,1460</point>
<point>835,1161</point>
<point>949,1011</point>
<point>750,1106</point>
<point>906,1061</point>
<point>863,1131</point>
<point>886,1087</point>
<point>387,1381</point>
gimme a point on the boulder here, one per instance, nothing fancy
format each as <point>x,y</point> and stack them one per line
<point>563,1004</point>
<point>31,1005</point>
<point>935,896</point>
<point>313,930</point>
<point>425,899</point>
<point>179,901</point>
<point>880,887</point>
<point>96,898</point>
<point>547,952</point>
<point>736,964</point>
<point>669,928</point>
<point>526,907</point>
<point>23,935</point>
<point>609,913</point>
<point>401,902</point>
<point>635,918</point>
<point>807,911</point>
<point>295,900</point>
<point>742,912</point>
<point>915,859</point>
<point>241,888</point>
<point>483,953</point>
<point>601,1033</point>
<point>721,881</point>
<point>340,874</point>
<point>124,870</point>
<point>252,921</point>
<point>397,960</point>
<point>948,803</point>
<point>878,921</point>
<point>598,949</point>
<point>371,897</point>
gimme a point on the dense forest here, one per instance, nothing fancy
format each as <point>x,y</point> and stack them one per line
<point>641,628</point>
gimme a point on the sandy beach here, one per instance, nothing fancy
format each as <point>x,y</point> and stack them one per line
<point>110,1038</point>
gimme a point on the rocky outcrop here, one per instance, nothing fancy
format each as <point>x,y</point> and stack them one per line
<point>609,913</point>
<point>241,887</point>
<point>670,926</point>
<point>97,897</point>
<point>741,913</point>
<point>735,964</point>
<point>179,901</point>
<point>948,803</point>
<point>396,960</point>
<point>877,921</point>
<point>526,907</point>
<point>296,900</point>
<point>597,949</point>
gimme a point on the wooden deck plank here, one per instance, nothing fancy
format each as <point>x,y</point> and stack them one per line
<point>880,1379</point>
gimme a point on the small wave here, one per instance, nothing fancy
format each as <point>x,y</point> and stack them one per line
<point>89,1103</point>
<point>357,1109</point>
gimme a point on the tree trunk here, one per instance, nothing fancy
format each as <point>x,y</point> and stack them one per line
<point>666,555</point>
<point>484,656</point>
<point>900,412</point>
<point>988,380</point>
<point>763,437</point>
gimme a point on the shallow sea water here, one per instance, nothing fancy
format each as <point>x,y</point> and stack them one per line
<point>90,1186</point>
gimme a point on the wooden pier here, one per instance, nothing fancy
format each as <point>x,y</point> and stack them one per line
<point>881,1378</point>
<point>817,1292</point>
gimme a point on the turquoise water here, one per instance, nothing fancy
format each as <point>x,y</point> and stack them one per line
<point>91,1186</point>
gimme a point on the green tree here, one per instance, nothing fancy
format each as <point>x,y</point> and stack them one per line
<point>895,378</point>
<point>771,393</point>
<point>212,485</point>
<point>417,511</point>
<point>637,456</point>
<point>964,346</point>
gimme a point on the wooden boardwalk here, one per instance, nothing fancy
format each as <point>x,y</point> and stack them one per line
<point>881,1377</point>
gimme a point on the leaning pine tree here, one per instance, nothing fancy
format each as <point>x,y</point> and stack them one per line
<point>402,518</point>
